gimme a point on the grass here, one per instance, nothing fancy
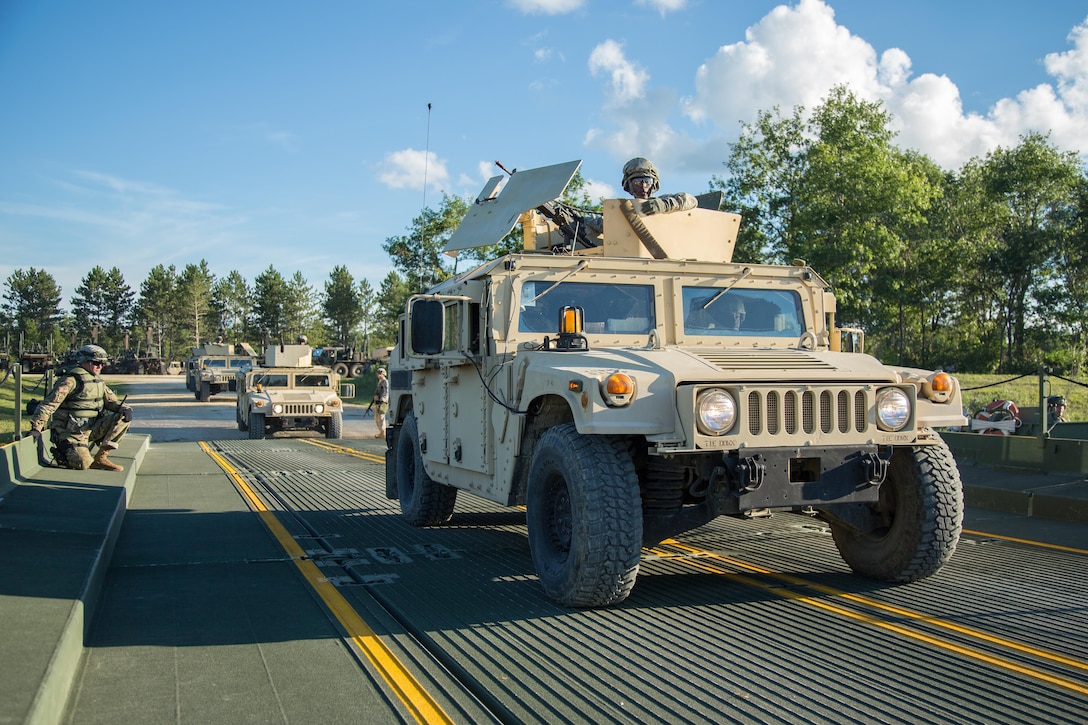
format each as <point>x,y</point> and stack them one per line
<point>1023,391</point>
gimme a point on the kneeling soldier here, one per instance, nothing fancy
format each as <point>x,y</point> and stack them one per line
<point>81,411</point>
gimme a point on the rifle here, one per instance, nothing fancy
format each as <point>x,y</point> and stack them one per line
<point>565,217</point>
<point>115,413</point>
<point>368,409</point>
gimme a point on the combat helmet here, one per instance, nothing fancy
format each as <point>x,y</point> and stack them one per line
<point>91,353</point>
<point>637,167</point>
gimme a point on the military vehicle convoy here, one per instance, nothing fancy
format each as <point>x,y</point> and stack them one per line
<point>212,368</point>
<point>288,393</point>
<point>631,387</point>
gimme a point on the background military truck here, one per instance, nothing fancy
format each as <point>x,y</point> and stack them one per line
<point>630,389</point>
<point>216,371</point>
<point>349,361</point>
<point>288,393</point>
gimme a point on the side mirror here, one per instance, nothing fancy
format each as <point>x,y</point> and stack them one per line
<point>427,326</point>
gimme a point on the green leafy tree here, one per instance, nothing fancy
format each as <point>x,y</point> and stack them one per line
<point>418,255</point>
<point>766,167</point>
<point>1034,188</point>
<point>300,309</point>
<point>194,294</point>
<point>389,305</point>
<point>102,308</point>
<point>32,305</point>
<point>232,307</point>
<point>156,311</point>
<point>342,304</point>
<point>269,294</point>
<point>366,313</point>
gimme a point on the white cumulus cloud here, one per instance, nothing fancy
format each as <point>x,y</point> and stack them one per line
<point>407,169</point>
<point>546,7</point>
<point>794,56</point>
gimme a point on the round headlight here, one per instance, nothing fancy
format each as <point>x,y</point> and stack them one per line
<point>892,408</point>
<point>715,412</point>
<point>277,408</point>
<point>319,408</point>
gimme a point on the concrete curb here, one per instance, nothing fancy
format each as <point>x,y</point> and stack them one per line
<point>20,464</point>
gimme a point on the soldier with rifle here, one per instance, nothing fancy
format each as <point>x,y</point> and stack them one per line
<point>81,412</point>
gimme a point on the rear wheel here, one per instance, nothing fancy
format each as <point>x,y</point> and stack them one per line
<point>921,517</point>
<point>256,426</point>
<point>584,515</point>
<point>334,428</point>
<point>423,502</point>
<point>340,369</point>
<point>357,370</point>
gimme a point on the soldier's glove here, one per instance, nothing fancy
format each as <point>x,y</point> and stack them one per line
<point>35,433</point>
<point>652,206</point>
<point>126,413</point>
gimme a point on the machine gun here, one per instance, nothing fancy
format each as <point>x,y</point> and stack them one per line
<point>567,218</point>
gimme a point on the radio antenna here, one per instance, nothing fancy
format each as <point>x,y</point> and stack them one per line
<point>423,230</point>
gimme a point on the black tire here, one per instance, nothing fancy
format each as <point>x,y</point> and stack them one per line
<point>335,427</point>
<point>423,502</point>
<point>205,392</point>
<point>357,370</point>
<point>256,426</point>
<point>340,369</point>
<point>241,423</point>
<point>921,507</point>
<point>584,515</point>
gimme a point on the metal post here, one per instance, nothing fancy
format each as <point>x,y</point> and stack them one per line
<point>1044,422</point>
<point>17,372</point>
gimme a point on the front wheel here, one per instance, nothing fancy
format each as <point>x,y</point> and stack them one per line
<point>423,502</point>
<point>921,517</point>
<point>584,515</point>
<point>205,392</point>
<point>256,426</point>
<point>334,428</point>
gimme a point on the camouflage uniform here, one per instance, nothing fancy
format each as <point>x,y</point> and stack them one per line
<point>640,168</point>
<point>81,411</point>
<point>381,403</point>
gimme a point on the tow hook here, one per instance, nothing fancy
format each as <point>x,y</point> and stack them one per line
<point>876,468</point>
<point>749,473</point>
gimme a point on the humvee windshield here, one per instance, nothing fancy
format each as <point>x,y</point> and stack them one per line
<point>312,380</point>
<point>271,381</point>
<point>215,363</point>
<point>742,312</point>
<point>623,308</point>
<point>241,362</point>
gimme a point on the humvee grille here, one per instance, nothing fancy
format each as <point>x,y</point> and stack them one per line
<point>774,412</point>
<point>298,409</point>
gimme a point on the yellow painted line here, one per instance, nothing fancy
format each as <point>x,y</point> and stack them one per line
<point>1029,542</point>
<point>1001,662</point>
<point>411,693</point>
<point>365,455</point>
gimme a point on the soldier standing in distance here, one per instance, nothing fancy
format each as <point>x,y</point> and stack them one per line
<point>82,411</point>
<point>381,403</point>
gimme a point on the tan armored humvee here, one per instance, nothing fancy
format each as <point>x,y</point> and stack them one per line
<point>288,393</point>
<point>628,388</point>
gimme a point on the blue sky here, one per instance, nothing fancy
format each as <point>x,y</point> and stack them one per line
<point>258,132</point>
